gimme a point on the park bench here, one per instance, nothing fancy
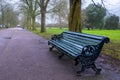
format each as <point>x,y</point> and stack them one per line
<point>83,48</point>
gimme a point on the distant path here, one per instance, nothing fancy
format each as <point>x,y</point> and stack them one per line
<point>26,56</point>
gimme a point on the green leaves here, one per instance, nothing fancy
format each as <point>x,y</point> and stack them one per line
<point>95,14</point>
<point>111,22</point>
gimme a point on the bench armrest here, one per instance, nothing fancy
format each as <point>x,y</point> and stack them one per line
<point>89,50</point>
<point>56,37</point>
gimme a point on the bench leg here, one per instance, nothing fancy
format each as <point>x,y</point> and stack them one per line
<point>80,67</point>
<point>82,70</point>
<point>76,62</point>
<point>51,48</point>
<point>96,69</point>
<point>61,55</point>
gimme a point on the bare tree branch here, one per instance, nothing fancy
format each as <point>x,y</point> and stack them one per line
<point>46,3</point>
<point>94,2</point>
<point>102,1</point>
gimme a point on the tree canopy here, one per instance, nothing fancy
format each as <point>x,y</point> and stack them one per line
<point>8,16</point>
<point>111,22</point>
<point>95,15</point>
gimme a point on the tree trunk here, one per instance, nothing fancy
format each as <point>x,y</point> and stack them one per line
<point>43,29</point>
<point>33,23</point>
<point>2,19</point>
<point>29,23</point>
<point>75,16</point>
<point>60,22</point>
<point>2,16</point>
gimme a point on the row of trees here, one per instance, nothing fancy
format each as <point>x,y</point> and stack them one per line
<point>33,8</point>
<point>94,15</point>
<point>8,16</point>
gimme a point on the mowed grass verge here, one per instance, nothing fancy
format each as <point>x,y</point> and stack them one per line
<point>112,49</point>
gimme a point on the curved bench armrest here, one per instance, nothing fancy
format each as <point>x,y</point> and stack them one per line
<point>89,50</point>
<point>56,36</point>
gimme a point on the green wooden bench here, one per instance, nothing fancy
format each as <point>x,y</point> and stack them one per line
<point>84,49</point>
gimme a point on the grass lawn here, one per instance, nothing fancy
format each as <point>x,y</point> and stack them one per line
<point>111,49</point>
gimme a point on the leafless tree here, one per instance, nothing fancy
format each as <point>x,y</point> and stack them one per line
<point>30,7</point>
<point>60,12</point>
<point>10,17</point>
<point>2,7</point>
<point>43,9</point>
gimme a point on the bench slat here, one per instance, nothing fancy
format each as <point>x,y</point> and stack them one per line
<point>66,49</point>
<point>84,35</point>
<point>81,38</point>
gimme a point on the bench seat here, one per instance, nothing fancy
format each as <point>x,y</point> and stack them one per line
<point>68,47</point>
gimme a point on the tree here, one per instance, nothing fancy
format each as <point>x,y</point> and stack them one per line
<point>3,5</point>
<point>30,8</point>
<point>95,15</point>
<point>75,16</point>
<point>10,17</point>
<point>43,8</point>
<point>60,13</point>
<point>111,22</point>
<point>26,18</point>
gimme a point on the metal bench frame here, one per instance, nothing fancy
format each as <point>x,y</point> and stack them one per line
<point>86,55</point>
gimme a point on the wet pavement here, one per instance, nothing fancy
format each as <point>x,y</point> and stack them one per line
<point>26,56</point>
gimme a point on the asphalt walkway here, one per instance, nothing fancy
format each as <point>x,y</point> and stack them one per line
<point>26,56</point>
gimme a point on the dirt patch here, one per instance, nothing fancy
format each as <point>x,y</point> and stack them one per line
<point>107,62</point>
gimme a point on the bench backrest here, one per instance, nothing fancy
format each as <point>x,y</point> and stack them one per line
<point>85,39</point>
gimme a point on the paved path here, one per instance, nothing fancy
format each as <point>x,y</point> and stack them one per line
<point>26,56</point>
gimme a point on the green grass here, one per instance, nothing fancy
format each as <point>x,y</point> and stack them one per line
<point>111,49</point>
<point>49,32</point>
<point>114,35</point>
